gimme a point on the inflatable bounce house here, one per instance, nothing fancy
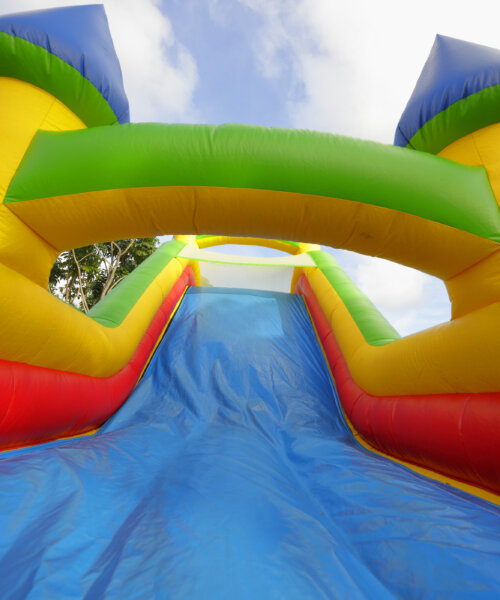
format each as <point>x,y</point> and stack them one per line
<point>190,437</point>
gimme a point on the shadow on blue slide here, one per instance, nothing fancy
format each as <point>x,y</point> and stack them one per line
<point>230,473</point>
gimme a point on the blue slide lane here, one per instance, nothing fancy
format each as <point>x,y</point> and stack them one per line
<point>230,474</point>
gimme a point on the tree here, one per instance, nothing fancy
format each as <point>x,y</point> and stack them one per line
<point>83,276</point>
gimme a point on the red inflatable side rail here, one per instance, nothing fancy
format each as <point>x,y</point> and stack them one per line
<point>454,434</point>
<point>53,404</point>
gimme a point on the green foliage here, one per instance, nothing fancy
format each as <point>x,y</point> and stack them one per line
<point>83,276</point>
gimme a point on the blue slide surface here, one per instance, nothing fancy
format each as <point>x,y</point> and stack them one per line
<point>230,473</point>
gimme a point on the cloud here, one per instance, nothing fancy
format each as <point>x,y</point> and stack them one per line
<point>409,299</point>
<point>159,73</point>
<point>354,64</point>
<point>390,285</point>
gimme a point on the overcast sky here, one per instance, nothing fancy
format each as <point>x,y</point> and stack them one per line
<point>342,67</point>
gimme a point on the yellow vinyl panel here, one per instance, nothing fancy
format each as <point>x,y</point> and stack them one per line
<point>479,148</point>
<point>38,328</point>
<point>80,219</point>
<point>24,109</point>
<point>478,285</point>
<point>463,151</point>
<point>475,287</point>
<point>23,250</point>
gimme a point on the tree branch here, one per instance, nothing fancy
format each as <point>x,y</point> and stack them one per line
<point>80,285</point>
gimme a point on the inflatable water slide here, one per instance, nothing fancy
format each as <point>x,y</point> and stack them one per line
<point>224,426</point>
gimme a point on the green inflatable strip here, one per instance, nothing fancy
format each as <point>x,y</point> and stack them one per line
<point>375,328</point>
<point>113,308</point>
<point>461,118</point>
<point>28,62</point>
<point>239,156</point>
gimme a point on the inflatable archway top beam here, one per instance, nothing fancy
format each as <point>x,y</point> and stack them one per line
<point>425,212</point>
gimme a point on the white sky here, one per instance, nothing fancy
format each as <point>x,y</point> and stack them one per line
<point>344,67</point>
